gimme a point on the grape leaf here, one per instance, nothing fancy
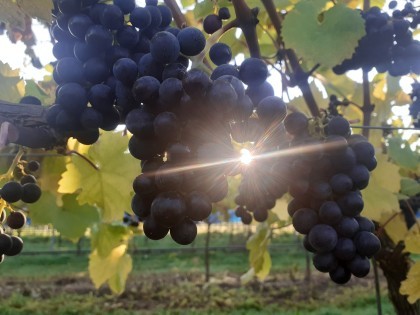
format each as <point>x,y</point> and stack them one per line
<point>411,286</point>
<point>412,240</point>
<point>400,151</point>
<point>114,268</point>
<point>12,87</point>
<point>395,226</point>
<point>40,9</point>
<point>326,37</point>
<point>106,237</point>
<point>51,170</point>
<point>70,219</point>
<point>409,186</point>
<point>109,186</point>
<point>380,197</point>
<point>11,13</point>
<point>259,257</point>
<point>359,3</point>
<point>280,209</point>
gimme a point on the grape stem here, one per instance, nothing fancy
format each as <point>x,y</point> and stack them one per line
<point>73,152</point>
<point>292,58</point>
<point>15,162</point>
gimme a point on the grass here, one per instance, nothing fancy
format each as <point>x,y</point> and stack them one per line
<point>172,283</point>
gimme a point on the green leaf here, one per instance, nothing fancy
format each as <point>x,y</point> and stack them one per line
<point>411,286</point>
<point>106,237</point>
<point>109,188</point>
<point>328,41</point>
<point>409,186</point>
<point>114,268</point>
<point>380,197</point>
<point>71,219</point>
<point>12,87</point>
<point>187,3</point>
<point>400,151</point>
<point>50,174</point>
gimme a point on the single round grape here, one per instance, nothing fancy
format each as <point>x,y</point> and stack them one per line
<point>367,243</point>
<point>146,89</point>
<point>16,220</point>
<point>338,126</point>
<point>246,218</point>
<point>140,18</point>
<point>212,23</point>
<point>304,220</point>
<point>365,224</point>
<point>169,209</point>
<point>11,192</point>
<point>144,184</point>
<point>33,166</point>
<point>323,238</point>
<point>340,275</point>
<point>359,266</point>
<point>325,262</point>
<point>341,183</point>
<point>224,13</point>
<point>185,232</point>
<point>220,54</point>
<point>6,243</point>
<point>198,206</point>
<point>296,123</point>
<point>253,71</point>
<point>191,41</point>
<point>345,249</point>
<point>330,213</point>
<point>141,205</point>
<point>153,230</point>
<point>272,109</point>
<point>30,193</point>
<point>351,204</point>
<point>164,47</point>
<point>347,227</point>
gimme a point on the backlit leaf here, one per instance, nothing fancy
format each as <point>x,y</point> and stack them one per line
<point>312,32</point>
<point>109,186</point>
<point>411,286</point>
<point>380,197</point>
<point>114,268</point>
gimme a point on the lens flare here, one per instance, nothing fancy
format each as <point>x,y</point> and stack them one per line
<point>246,157</point>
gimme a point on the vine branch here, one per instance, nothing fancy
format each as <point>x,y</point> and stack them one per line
<point>26,125</point>
<point>247,20</point>
<point>179,17</point>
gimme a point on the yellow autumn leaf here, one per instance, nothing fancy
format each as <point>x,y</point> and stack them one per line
<point>411,286</point>
<point>280,209</point>
<point>395,226</point>
<point>380,196</point>
<point>107,184</point>
<point>114,268</point>
<point>412,240</point>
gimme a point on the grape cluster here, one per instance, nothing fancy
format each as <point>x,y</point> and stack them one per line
<point>26,189</point>
<point>184,141</point>
<point>388,44</point>
<point>415,106</point>
<point>325,179</point>
<point>100,57</point>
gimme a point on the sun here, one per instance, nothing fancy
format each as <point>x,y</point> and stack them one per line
<point>246,156</point>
